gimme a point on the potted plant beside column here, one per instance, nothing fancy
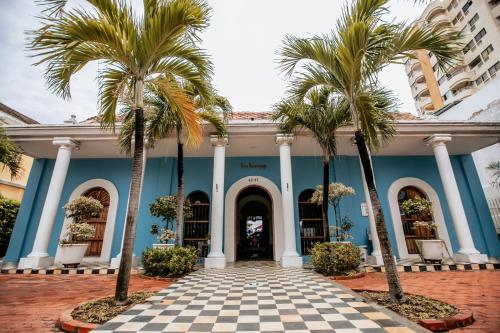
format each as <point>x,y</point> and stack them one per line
<point>78,210</point>
<point>431,248</point>
<point>165,207</point>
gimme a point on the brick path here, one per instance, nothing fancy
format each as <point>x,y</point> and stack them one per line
<point>478,291</point>
<point>32,303</point>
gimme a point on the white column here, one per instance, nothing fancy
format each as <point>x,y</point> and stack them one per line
<point>376,256</point>
<point>216,258</point>
<point>39,256</point>
<point>115,261</point>
<point>290,257</point>
<point>467,251</point>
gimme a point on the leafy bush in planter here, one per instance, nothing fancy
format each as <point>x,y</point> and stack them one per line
<point>8,214</point>
<point>80,209</point>
<point>165,207</point>
<point>335,258</point>
<point>164,262</point>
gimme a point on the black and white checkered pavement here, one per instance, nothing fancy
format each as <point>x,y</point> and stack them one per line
<point>254,297</point>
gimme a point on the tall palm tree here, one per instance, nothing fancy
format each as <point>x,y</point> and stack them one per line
<point>165,115</point>
<point>10,155</point>
<point>322,113</point>
<point>132,50</point>
<point>348,61</point>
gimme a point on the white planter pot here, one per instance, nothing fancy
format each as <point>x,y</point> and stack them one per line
<point>163,246</point>
<point>72,254</point>
<point>431,249</point>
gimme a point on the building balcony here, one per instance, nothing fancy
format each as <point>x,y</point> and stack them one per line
<point>419,88</point>
<point>421,102</point>
<point>463,92</point>
<point>440,19</point>
<point>433,9</point>
<point>459,78</point>
<point>415,65</point>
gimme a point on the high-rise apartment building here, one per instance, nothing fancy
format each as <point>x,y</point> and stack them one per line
<point>479,22</point>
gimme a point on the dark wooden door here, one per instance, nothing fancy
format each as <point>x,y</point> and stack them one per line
<point>99,223</point>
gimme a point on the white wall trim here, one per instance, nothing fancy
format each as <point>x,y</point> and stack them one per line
<point>110,222</point>
<point>438,216</point>
<point>230,214</point>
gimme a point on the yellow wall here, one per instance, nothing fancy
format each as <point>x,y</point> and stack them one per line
<point>8,186</point>
<point>430,79</point>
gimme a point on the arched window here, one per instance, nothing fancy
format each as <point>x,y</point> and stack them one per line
<point>411,231</point>
<point>99,223</point>
<point>196,228</point>
<point>310,221</point>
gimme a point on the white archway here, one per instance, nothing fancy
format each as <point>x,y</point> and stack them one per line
<point>438,216</point>
<point>230,214</point>
<point>110,221</point>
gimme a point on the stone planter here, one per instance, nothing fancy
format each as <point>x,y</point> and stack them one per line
<point>72,254</point>
<point>163,246</point>
<point>431,249</point>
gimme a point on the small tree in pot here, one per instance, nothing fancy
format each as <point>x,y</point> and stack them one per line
<point>79,210</point>
<point>165,207</point>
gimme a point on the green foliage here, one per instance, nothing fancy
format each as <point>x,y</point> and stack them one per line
<point>419,206</point>
<point>81,209</point>
<point>494,167</point>
<point>8,213</point>
<point>175,261</point>
<point>165,207</point>
<point>335,258</point>
<point>344,230</point>
<point>336,191</point>
<point>10,155</point>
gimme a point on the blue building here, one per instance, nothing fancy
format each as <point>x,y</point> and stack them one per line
<point>255,180</point>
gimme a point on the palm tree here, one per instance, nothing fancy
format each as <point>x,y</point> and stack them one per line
<point>322,113</point>
<point>132,51</point>
<point>494,167</point>
<point>10,155</point>
<point>165,114</point>
<point>348,61</point>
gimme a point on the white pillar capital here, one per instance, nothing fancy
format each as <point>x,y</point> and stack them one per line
<point>437,140</point>
<point>65,143</point>
<point>218,141</point>
<point>284,139</point>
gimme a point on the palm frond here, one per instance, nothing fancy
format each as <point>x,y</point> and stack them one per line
<point>10,155</point>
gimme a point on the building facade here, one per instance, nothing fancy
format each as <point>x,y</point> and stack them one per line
<point>479,23</point>
<point>256,179</point>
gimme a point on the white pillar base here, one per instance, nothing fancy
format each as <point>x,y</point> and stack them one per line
<point>473,258</point>
<point>375,259</point>
<point>115,262</point>
<point>217,261</point>
<point>35,262</point>
<point>291,260</point>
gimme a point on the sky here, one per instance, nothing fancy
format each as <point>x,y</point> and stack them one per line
<point>242,39</point>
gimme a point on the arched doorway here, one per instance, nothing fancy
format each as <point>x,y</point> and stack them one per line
<point>412,232</point>
<point>99,223</point>
<point>310,222</point>
<point>254,225</point>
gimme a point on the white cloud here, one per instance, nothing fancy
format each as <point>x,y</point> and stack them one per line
<point>243,38</point>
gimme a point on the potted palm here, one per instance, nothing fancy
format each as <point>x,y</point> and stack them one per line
<point>165,207</point>
<point>72,246</point>
<point>430,247</point>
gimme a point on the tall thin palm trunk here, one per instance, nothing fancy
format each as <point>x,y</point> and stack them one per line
<point>180,188</point>
<point>123,278</point>
<point>395,289</point>
<point>326,182</point>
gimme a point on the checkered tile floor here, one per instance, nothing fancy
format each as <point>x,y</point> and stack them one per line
<point>254,297</point>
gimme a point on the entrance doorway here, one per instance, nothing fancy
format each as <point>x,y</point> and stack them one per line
<point>253,229</point>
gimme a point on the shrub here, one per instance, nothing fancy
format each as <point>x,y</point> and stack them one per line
<point>8,213</point>
<point>165,262</point>
<point>80,209</point>
<point>335,258</point>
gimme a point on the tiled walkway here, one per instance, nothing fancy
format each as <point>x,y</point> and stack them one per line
<point>254,297</point>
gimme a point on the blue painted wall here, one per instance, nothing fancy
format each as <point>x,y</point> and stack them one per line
<point>161,179</point>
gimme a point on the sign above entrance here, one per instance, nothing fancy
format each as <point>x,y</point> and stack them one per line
<point>253,166</point>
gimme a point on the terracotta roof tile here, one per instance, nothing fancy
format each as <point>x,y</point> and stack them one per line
<point>17,115</point>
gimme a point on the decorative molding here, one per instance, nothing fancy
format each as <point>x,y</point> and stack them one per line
<point>66,142</point>
<point>218,141</point>
<point>110,222</point>
<point>284,139</point>
<point>392,197</point>
<point>437,139</point>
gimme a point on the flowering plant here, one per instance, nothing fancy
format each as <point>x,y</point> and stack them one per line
<point>165,207</point>
<point>80,209</point>
<point>336,191</point>
<point>422,208</point>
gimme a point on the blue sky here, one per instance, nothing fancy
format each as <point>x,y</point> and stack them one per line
<point>242,39</point>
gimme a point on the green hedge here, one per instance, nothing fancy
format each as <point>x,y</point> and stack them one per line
<point>8,213</point>
<point>335,258</point>
<point>171,262</point>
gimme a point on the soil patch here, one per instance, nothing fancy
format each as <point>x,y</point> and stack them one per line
<point>102,310</point>
<point>417,307</point>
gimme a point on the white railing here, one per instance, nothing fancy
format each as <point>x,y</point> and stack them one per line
<point>494,205</point>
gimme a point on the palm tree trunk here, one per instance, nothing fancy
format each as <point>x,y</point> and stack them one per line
<point>123,278</point>
<point>324,205</point>
<point>180,189</point>
<point>395,289</point>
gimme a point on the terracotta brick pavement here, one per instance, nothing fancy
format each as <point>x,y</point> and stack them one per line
<point>32,303</point>
<point>478,291</point>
